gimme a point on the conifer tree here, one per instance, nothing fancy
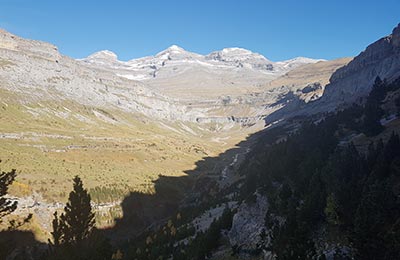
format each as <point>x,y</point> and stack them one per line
<point>331,210</point>
<point>373,111</point>
<point>78,219</point>
<point>6,206</point>
<point>74,235</point>
<point>58,231</point>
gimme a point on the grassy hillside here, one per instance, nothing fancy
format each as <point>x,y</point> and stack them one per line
<point>113,152</point>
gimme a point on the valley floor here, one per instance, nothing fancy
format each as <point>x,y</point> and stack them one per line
<point>114,153</point>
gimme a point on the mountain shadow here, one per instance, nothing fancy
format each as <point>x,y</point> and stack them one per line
<point>290,104</point>
<point>194,192</point>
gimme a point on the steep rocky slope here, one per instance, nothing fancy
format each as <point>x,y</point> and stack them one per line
<point>346,85</point>
<point>354,81</point>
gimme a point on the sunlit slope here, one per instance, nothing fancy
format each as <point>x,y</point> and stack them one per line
<point>49,143</point>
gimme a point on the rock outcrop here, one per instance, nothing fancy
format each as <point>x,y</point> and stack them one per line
<point>248,225</point>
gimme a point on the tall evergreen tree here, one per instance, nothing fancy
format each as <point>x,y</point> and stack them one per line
<point>373,111</point>
<point>78,217</point>
<point>74,235</point>
<point>331,210</point>
<point>58,231</point>
<point>6,205</point>
<point>292,239</point>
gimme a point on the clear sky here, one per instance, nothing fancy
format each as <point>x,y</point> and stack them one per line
<point>278,29</point>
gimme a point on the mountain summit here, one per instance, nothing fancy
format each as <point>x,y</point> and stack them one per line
<point>103,56</point>
<point>174,48</point>
<point>175,52</point>
<point>240,57</point>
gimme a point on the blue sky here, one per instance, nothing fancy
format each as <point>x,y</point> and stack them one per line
<point>277,29</point>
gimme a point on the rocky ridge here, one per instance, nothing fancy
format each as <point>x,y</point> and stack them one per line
<point>354,81</point>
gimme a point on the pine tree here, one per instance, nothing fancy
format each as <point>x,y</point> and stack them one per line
<point>58,231</point>
<point>373,111</point>
<point>74,235</point>
<point>331,210</point>
<point>78,218</point>
<point>370,219</point>
<point>314,200</point>
<point>292,239</point>
<point>6,206</point>
<point>392,148</point>
<point>397,103</point>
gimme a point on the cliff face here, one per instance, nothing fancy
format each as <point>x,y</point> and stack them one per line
<point>11,42</point>
<point>248,225</point>
<point>355,80</point>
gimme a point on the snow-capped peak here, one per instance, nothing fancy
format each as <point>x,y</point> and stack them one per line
<point>103,55</point>
<point>175,48</point>
<point>175,52</point>
<point>172,49</point>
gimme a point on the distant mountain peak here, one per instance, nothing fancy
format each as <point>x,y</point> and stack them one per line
<point>172,49</point>
<point>103,55</point>
<point>240,57</point>
<point>175,48</point>
<point>175,52</point>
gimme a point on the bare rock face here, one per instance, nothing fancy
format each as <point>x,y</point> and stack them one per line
<point>248,224</point>
<point>355,80</point>
<point>14,43</point>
